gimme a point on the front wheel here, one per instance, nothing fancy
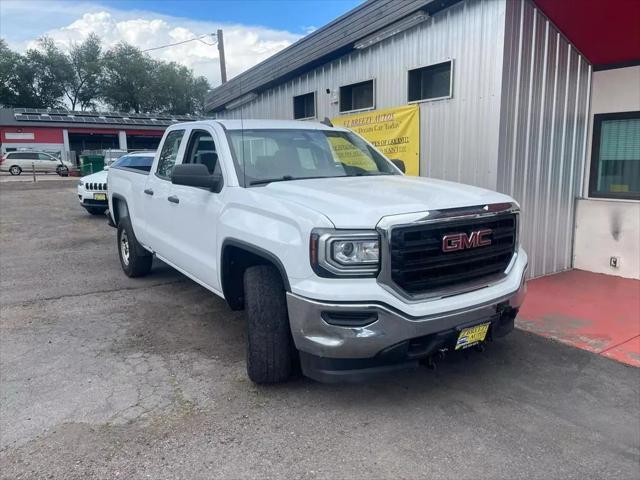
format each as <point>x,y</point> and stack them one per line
<point>270,350</point>
<point>62,171</point>
<point>15,170</point>
<point>134,259</point>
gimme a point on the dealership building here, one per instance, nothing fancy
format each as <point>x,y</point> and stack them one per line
<point>70,133</point>
<point>539,99</point>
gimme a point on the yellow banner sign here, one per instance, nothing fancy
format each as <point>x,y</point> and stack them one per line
<point>393,131</point>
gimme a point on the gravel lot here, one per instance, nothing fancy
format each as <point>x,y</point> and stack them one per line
<point>108,377</point>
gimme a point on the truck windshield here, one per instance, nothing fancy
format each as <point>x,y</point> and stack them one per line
<point>265,156</point>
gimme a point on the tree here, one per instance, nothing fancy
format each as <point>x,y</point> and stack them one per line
<point>124,78</point>
<point>83,83</point>
<point>127,78</point>
<point>175,90</point>
<point>51,71</point>
<point>16,80</point>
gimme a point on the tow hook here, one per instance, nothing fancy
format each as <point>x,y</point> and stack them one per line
<point>430,361</point>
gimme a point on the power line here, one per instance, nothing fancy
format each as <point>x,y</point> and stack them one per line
<point>184,41</point>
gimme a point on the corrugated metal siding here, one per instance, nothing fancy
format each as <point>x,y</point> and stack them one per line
<point>459,136</point>
<point>322,45</point>
<point>543,131</point>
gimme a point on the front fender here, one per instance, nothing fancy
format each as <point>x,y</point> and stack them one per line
<point>270,225</point>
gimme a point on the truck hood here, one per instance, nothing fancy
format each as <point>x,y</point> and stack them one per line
<point>98,177</point>
<point>360,202</point>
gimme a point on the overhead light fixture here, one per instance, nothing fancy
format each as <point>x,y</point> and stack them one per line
<point>393,29</point>
<point>241,101</point>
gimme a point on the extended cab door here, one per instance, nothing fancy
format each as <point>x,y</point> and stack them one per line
<point>158,206</point>
<point>197,211</point>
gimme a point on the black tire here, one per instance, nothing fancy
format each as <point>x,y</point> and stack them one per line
<point>134,259</point>
<point>96,210</point>
<point>270,350</point>
<point>62,171</point>
<point>15,170</point>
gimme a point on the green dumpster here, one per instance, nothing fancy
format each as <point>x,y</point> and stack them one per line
<point>91,164</point>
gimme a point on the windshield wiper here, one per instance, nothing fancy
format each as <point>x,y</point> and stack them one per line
<point>269,180</point>
<point>284,178</point>
<point>368,174</point>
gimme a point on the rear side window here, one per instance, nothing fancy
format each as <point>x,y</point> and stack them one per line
<point>169,153</point>
<point>22,156</point>
<point>136,162</point>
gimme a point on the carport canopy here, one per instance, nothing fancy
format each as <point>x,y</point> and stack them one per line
<point>606,32</point>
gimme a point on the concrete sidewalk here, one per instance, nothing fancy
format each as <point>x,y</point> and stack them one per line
<point>596,312</point>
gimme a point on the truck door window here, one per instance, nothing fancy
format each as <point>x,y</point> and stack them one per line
<point>202,149</point>
<point>169,154</point>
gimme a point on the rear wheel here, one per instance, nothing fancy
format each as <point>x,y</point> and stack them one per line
<point>15,170</point>
<point>134,259</point>
<point>270,349</point>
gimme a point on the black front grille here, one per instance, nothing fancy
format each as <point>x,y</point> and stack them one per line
<point>419,264</point>
<point>96,186</point>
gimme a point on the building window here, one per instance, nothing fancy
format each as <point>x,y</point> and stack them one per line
<point>357,96</point>
<point>304,106</point>
<point>615,157</point>
<point>430,83</point>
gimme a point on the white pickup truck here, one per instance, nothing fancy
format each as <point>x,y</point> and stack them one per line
<point>344,266</point>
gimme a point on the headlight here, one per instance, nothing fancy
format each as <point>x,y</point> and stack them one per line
<point>81,183</point>
<point>350,253</point>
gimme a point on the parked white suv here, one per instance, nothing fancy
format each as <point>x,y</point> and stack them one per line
<point>92,189</point>
<point>27,160</point>
<point>342,263</point>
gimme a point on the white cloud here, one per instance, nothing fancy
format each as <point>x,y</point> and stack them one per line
<point>245,45</point>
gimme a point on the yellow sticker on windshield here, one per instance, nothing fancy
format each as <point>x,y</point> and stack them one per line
<point>346,152</point>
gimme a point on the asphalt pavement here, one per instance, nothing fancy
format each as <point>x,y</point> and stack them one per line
<point>102,376</point>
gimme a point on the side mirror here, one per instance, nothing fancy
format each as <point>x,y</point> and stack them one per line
<point>195,175</point>
<point>400,165</point>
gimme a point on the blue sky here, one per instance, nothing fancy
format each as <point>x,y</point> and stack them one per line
<point>253,29</point>
<point>291,15</point>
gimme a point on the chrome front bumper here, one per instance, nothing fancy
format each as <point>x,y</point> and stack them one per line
<point>314,336</point>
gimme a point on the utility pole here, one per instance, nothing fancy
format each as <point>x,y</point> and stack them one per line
<point>223,66</point>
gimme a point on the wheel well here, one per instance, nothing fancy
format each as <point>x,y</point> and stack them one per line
<point>119,209</point>
<point>236,258</point>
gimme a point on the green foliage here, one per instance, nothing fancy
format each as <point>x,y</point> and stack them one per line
<point>32,80</point>
<point>83,84</point>
<point>123,78</point>
<point>51,70</point>
<point>127,77</point>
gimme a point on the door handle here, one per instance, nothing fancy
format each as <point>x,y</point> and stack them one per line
<point>148,191</point>
<point>173,199</point>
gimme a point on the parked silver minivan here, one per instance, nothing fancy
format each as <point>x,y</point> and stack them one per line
<point>27,160</point>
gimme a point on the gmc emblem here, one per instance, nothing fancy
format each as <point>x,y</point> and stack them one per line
<point>461,241</point>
